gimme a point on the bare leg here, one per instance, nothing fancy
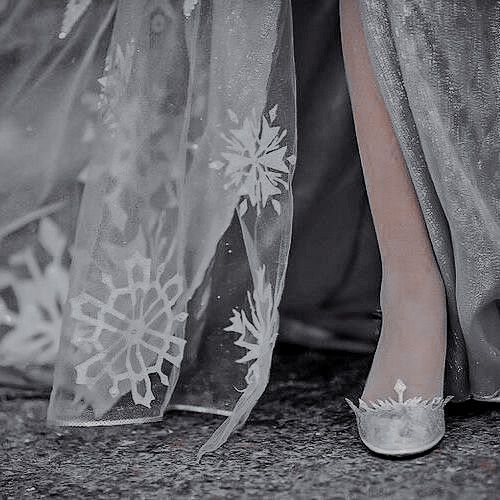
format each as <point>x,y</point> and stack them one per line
<point>413,339</point>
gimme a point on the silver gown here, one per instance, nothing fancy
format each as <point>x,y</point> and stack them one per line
<point>437,65</point>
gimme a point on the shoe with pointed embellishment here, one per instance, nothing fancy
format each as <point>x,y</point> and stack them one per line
<point>400,428</point>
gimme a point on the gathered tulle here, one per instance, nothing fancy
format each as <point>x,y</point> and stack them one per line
<point>185,123</point>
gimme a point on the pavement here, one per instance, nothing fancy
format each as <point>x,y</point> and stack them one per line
<point>300,442</point>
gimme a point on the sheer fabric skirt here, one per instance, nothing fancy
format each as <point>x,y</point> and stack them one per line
<point>180,129</point>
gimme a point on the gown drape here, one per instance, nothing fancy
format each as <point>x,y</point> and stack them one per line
<point>147,153</point>
<point>186,130</point>
<point>186,203</point>
<point>437,65</point>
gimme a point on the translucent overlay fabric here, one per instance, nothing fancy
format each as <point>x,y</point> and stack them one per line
<point>47,112</point>
<point>187,137</point>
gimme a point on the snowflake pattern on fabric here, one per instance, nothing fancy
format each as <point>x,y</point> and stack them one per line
<point>258,333</point>
<point>75,9</point>
<point>130,334</point>
<point>33,330</point>
<point>256,162</point>
<point>114,83</point>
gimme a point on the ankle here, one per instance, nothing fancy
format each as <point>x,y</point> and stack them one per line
<point>414,304</point>
<point>421,283</point>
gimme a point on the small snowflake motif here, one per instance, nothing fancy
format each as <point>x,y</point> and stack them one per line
<point>130,335</point>
<point>115,82</point>
<point>257,333</point>
<point>74,11</point>
<point>189,6</point>
<point>256,162</point>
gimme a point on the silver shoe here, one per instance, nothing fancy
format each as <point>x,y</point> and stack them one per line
<point>400,428</point>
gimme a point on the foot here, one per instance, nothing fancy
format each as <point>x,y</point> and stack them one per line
<point>401,428</point>
<point>412,344</point>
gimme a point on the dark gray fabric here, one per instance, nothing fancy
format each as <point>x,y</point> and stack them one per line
<point>332,287</point>
<point>437,63</point>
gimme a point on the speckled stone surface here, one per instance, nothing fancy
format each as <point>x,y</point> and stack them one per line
<point>300,442</point>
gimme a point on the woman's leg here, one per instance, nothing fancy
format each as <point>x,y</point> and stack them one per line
<point>413,339</point>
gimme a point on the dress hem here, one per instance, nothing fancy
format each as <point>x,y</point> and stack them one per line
<point>130,421</point>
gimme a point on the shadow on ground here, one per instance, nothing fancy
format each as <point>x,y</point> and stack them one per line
<point>300,442</point>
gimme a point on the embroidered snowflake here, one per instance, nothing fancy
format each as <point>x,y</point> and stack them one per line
<point>255,161</point>
<point>259,331</point>
<point>114,83</point>
<point>189,6</point>
<point>33,330</point>
<point>130,335</point>
<point>73,13</point>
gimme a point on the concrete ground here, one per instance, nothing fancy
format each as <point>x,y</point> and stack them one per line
<point>300,442</point>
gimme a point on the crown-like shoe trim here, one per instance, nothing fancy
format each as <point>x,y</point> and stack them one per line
<point>390,404</point>
<point>400,427</point>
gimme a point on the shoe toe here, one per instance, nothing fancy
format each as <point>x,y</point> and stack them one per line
<point>401,433</point>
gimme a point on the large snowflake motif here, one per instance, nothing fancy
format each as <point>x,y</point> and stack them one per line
<point>257,333</point>
<point>33,330</point>
<point>255,161</point>
<point>131,334</point>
